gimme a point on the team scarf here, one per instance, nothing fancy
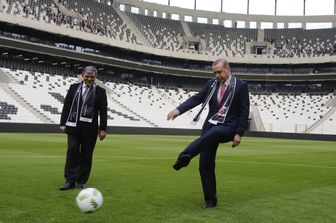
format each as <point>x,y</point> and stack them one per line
<point>213,88</point>
<point>86,110</point>
<point>220,116</point>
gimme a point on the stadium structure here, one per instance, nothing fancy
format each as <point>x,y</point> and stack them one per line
<point>152,57</point>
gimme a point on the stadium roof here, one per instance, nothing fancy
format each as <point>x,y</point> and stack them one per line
<point>264,14</point>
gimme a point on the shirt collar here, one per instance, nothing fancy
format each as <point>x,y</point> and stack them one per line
<point>84,86</point>
<point>227,82</point>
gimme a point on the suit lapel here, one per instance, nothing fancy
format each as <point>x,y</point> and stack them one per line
<point>215,95</point>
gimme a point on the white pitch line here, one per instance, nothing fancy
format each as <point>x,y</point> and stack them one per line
<point>173,159</point>
<point>30,156</point>
<point>274,163</point>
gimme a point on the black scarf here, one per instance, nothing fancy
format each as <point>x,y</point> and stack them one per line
<point>220,116</point>
<point>87,108</point>
<point>212,91</point>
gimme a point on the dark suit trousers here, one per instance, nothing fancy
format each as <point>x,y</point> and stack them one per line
<point>206,145</point>
<point>79,158</point>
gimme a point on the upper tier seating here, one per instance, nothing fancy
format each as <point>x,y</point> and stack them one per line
<point>302,43</point>
<point>103,20</point>
<point>160,33</point>
<point>224,41</point>
<point>85,15</point>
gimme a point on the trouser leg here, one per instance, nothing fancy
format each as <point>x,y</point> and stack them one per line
<point>207,166</point>
<point>214,135</point>
<point>206,145</point>
<point>72,159</point>
<point>85,159</point>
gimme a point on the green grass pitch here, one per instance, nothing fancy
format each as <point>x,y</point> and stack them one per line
<point>263,180</point>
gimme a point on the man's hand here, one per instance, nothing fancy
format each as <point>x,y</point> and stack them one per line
<point>102,135</point>
<point>236,140</point>
<point>62,128</point>
<point>173,114</point>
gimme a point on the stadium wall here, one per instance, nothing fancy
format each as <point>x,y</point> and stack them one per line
<point>133,65</point>
<point>52,128</point>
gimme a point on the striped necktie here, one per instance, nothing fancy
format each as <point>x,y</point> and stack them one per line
<point>86,90</point>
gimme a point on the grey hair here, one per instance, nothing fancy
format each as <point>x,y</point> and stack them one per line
<point>223,61</point>
<point>90,69</point>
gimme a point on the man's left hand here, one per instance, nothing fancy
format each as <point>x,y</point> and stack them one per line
<point>102,135</point>
<point>236,140</point>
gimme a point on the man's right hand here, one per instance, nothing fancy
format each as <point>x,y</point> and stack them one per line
<point>62,128</point>
<point>173,114</point>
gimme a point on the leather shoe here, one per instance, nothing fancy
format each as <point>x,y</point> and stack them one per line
<point>209,204</point>
<point>182,161</point>
<point>82,186</point>
<point>67,186</point>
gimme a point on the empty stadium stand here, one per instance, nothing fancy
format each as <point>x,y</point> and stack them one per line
<point>230,42</point>
<point>138,99</point>
<point>129,105</point>
<point>302,43</point>
<point>161,33</point>
<point>140,105</point>
<point>291,112</point>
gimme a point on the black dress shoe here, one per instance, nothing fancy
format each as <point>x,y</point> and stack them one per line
<point>209,204</point>
<point>82,186</point>
<point>182,161</point>
<point>67,186</point>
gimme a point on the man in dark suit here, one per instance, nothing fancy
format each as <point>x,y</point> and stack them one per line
<point>229,105</point>
<point>79,120</point>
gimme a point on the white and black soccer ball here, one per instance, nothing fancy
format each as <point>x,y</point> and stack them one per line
<point>89,200</point>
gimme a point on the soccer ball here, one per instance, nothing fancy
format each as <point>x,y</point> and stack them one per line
<point>89,200</point>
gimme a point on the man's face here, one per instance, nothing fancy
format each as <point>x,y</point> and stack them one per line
<point>222,74</point>
<point>89,78</point>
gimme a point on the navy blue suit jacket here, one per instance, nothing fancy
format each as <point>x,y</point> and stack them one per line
<point>237,116</point>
